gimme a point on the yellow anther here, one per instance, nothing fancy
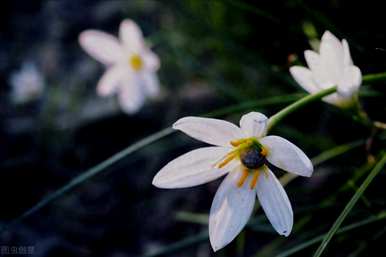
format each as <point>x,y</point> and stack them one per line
<point>254,180</point>
<point>228,158</point>
<point>238,142</point>
<point>243,177</point>
<point>264,151</point>
<point>136,62</point>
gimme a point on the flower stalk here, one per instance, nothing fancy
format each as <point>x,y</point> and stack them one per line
<point>275,119</point>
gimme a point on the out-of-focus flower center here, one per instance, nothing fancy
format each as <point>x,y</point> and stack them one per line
<point>252,157</point>
<point>136,62</point>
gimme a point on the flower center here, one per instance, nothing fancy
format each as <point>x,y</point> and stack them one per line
<point>136,62</point>
<point>252,157</point>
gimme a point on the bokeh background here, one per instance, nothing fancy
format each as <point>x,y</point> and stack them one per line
<point>222,58</point>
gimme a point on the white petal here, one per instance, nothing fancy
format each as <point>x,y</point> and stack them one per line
<point>287,156</point>
<point>331,58</point>
<point>275,202</point>
<point>351,80</point>
<point>254,124</point>
<point>193,168</point>
<point>312,59</point>
<point>151,60</point>
<point>231,208</point>
<point>347,56</point>
<point>304,78</point>
<point>110,81</point>
<point>130,95</point>
<point>131,36</point>
<point>101,46</point>
<point>211,131</point>
<point>150,83</point>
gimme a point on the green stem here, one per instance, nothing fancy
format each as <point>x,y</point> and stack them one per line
<point>297,105</point>
<point>350,205</point>
<point>374,77</point>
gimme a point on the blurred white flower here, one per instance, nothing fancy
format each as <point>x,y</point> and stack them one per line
<point>131,65</point>
<point>27,84</point>
<point>243,153</point>
<point>333,66</point>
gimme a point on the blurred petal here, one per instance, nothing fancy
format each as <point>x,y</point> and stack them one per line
<point>275,202</point>
<point>193,168</point>
<point>231,208</point>
<point>110,80</point>
<point>312,59</point>
<point>101,46</point>
<point>151,83</point>
<point>211,131</point>
<point>254,124</point>
<point>351,80</point>
<point>130,96</point>
<point>131,36</point>
<point>304,78</point>
<point>151,61</point>
<point>346,51</point>
<point>287,156</point>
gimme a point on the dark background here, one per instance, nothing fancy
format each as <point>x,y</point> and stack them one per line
<point>214,54</point>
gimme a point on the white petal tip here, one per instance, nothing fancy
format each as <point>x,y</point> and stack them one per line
<point>216,246</point>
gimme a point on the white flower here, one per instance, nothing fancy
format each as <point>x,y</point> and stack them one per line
<point>333,66</point>
<point>27,84</point>
<point>243,153</point>
<point>131,65</point>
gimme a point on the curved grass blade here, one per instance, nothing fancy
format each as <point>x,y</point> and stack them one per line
<point>378,168</point>
<point>92,172</point>
<point>344,229</point>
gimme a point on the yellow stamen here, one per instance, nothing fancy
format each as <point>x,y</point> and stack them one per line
<point>228,158</point>
<point>254,179</point>
<point>243,177</point>
<point>238,142</point>
<point>136,62</point>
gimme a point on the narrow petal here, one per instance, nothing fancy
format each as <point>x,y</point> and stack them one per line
<point>351,80</point>
<point>347,56</point>
<point>211,131</point>
<point>150,84</point>
<point>131,36</point>
<point>275,202</point>
<point>104,47</point>
<point>331,57</point>
<point>254,124</point>
<point>312,59</point>
<point>231,208</point>
<point>193,168</point>
<point>304,78</point>
<point>287,156</point>
<point>110,81</point>
<point>151,60</point>
<point>130,95</point>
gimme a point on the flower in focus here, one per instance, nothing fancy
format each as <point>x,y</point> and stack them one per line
<point>27,84</point>
<point>332,66</point>
<point>243,153</point>
<point>131,65</point>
